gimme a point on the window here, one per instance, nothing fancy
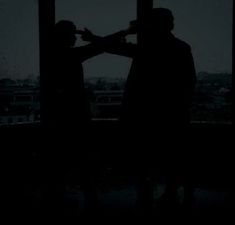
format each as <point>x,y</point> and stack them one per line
<point>205,25</point>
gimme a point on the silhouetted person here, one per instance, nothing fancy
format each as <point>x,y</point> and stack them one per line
<point>69,104</point>
<point>157,99</point>
<point>68,114</point>
<point>68,101</point>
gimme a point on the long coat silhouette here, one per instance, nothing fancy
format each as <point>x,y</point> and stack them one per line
<point>160,89</point>
<point>156,107</point>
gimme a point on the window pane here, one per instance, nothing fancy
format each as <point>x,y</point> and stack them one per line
<point>19,62</point>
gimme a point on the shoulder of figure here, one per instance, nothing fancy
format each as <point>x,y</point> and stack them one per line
<point>182,44</point>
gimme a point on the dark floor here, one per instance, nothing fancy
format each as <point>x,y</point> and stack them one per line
<point>120,201</point>
<point>211,157</point>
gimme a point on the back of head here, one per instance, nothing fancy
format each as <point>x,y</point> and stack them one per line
<point>162,19</point>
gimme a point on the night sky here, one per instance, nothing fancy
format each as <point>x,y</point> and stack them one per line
<point>205,24</point>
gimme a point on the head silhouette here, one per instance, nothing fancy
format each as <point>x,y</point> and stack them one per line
<point>64,33</point>
<point>162,20</point>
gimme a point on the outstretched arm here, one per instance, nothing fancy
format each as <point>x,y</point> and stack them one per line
<point>114,43</point>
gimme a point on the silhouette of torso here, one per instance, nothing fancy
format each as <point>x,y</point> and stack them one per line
<point>68,103</point>
<point>160,83</point>
<point>70,100</point>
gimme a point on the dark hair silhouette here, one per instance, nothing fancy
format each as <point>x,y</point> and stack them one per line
<point>65,26</point>
<point>64,34</point>
<point>162,18</point>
